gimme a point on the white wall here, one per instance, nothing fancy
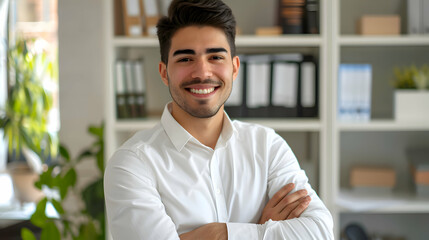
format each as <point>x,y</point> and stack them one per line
<point>81,73</point>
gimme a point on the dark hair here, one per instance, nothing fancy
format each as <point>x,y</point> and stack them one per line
<point>184,13</point>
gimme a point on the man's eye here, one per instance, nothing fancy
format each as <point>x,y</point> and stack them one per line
<point>184,60</point>
<point>217,57</point>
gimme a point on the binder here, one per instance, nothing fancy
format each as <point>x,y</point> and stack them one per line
<point>130,89</point>
<point>285,85</point>
<point>414,16</point>
<point>258,75</point>
<point>121,101</point>
<point>309,95</point>
<point>151,16</point>
<point>132,17</point>
<point>312,16</point>
<point>140,84</point>
<point>425,12</point>
<point>235,105</point>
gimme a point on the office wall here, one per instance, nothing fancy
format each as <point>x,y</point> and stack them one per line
<point>81,74</point>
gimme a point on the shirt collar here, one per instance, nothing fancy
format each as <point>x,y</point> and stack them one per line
<point>180,137</point>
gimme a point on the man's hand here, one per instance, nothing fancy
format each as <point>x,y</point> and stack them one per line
<point>283,206</point>
<point>211,231</point>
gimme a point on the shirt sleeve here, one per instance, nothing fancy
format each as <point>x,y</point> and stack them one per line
<point>133,205</point>
<point>314,223</point>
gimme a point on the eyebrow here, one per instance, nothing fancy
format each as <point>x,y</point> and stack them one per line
<point>192,52</point>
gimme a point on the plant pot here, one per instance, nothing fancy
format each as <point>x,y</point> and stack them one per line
<point>411,105</point>
<point>23,178</point>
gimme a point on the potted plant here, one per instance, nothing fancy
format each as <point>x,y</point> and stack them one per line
<point>89,223</point>
<point>24,118</point>
<point>411,97</point>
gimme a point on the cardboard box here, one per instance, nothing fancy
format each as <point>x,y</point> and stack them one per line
<point>379,25</point>
<point>268,31</point>
<point>372,176</point>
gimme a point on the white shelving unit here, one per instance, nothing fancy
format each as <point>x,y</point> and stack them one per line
<point>335,145</point>
<point>382,140</point>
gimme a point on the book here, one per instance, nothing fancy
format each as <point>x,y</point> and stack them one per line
<point>291,16</point>
<point>354,92</point>
<point>132,17</point>
<point>312,16</point>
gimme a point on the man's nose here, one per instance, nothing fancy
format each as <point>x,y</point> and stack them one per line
<point>202,69</point>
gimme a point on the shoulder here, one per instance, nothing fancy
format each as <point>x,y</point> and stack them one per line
<point>133,151</point>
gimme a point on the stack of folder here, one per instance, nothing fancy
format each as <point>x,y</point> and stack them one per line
<point>275,86</point>
<point>130,89</point>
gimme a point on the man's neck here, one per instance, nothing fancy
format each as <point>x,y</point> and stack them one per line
<point>205,130</point>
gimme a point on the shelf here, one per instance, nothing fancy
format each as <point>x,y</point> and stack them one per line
<point>384,125</point>
<point>241,41</point>
<point>278,41</point>
<point>403,40</point>
<point>395,202</point>
<point>277,124</point>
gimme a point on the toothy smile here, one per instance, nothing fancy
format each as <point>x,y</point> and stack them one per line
<point>202,91</point>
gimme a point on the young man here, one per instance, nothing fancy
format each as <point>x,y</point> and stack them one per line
<point>197,174</point>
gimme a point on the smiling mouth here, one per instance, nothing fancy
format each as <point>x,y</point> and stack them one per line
<point>201,91</point>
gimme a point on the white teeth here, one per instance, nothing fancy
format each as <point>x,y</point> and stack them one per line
<point>202,91</point>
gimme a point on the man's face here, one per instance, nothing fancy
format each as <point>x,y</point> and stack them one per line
<point>200,70</point>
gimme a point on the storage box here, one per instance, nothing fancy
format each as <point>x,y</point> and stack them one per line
<point>411,105</point>
<point>379,25</point>
<point>372,176</point>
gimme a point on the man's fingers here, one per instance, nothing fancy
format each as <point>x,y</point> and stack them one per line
<point>290,199</point>
<point>280,195</point>
<point>300,208</point>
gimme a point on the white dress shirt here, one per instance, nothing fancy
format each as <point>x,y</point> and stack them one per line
<point>163,182</point>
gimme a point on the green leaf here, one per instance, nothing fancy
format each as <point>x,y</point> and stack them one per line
<point>96,131</point>
<point>26,234</point>
<point>50,232</point>
<point>88,231</point>
<point>57,206</point>
<point>39,217</point>
<point>93,197</point>
<point>67,181</point>
<point>64,153</point>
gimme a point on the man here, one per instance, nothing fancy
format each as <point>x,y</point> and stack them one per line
<point>197,174</point>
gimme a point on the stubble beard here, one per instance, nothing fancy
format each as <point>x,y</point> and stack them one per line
<point>202,110</point>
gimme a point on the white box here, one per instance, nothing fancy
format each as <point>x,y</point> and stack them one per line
<point>411,105</point>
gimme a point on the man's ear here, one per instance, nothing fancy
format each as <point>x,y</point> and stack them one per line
<point>163,72</point>
<point>235,67</point>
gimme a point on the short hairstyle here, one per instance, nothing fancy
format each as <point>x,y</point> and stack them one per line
<point>185,13</point>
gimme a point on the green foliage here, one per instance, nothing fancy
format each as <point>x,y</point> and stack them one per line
<point>411,77</point>
<point>25,117</point>
<point>62,177</point>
